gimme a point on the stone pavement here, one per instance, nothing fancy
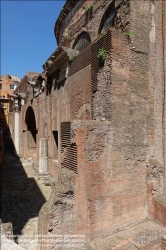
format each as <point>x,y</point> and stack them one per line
<point>7,244</point>
<point>22,198</point>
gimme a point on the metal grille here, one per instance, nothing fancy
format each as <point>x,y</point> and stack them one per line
<point>80,61</point>
<point>105,43</point>
<point>68,150</point>
<point>65,133</point>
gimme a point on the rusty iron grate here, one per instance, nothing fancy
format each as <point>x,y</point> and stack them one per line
<point>106,43</point>
<point>68,150</point>
<point>80,61</point>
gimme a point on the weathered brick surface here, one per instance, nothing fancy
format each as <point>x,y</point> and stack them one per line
<point>107,196</point>
<point>163,243</point>
<point>157,209</point>
<point>81,22</point>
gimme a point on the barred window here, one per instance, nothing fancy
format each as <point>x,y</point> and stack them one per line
<point>82,41</point>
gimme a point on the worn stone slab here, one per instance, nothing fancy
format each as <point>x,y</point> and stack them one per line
<point>7,244</point>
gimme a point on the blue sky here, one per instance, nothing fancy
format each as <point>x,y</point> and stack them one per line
<point>27,35</point>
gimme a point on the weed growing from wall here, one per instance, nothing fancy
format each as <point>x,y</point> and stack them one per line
<point>102,55</point>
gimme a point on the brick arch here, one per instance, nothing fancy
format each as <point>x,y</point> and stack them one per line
<point>30,122</point>
<point>110,9</point>
<point>85,34</point>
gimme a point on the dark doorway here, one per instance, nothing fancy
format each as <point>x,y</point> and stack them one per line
<point>31,128</point>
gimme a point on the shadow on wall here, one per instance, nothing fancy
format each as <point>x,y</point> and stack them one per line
<point>21,196</point>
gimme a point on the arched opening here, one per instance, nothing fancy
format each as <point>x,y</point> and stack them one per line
<point>82,41</point>
<point>31,129</point>
<point>108,18</point>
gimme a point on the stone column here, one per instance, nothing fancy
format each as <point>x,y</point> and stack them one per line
<point>43,156</point>
<point>16,133</point>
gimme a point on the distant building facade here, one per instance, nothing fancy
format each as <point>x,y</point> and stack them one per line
<point>9,83</point>
<point>6,106</point>
<point>7,86</point>
<point>24,93</point>
<point>95,123</point>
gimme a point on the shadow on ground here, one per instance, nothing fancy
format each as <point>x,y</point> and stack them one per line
<point>21,196</point>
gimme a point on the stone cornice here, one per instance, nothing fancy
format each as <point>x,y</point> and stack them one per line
<point>63,14</point>
<point>58,54</point>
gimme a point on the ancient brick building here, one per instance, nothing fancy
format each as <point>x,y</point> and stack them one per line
<point>7,85</point>
<point>95,124</point>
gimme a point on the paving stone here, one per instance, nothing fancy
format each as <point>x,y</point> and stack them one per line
<point>7,244</point>
<point>22,198</point>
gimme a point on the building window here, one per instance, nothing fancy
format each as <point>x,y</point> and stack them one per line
<point>0,85</point>
<point>108,18</point>
<point>82,41</point>
<point>11,86</point>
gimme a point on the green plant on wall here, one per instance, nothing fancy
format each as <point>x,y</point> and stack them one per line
<point>71,58</point>
<point>89,9</point>
<point>102,54</point>
<point>102,34</point>
<point>127,33</point>
<point>69,38</point>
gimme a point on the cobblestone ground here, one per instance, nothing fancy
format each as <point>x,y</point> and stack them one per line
<point>22,198</point>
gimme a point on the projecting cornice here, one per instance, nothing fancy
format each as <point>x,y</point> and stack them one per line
<point>63,14</point>
<point>56,57</point>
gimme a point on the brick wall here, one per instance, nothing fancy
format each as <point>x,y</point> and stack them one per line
<point>23,87</point>
<point>108,197</point>
<point>164,243</point>
<point>157,208</point>
<point>115,112</point>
